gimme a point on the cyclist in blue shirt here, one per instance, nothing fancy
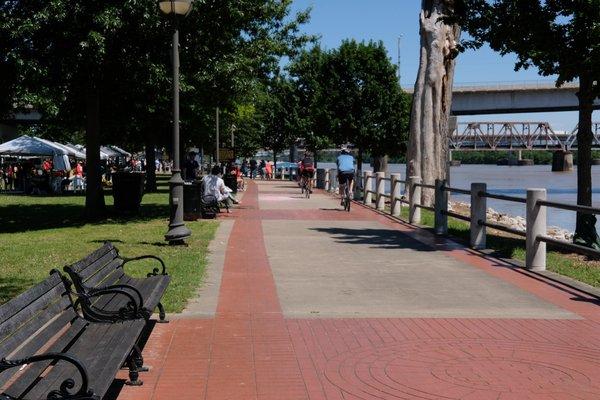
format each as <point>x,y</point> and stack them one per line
<point>345,167</point>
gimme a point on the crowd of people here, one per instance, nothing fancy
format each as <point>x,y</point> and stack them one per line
<point>252,168</point>
<point>37,176</point>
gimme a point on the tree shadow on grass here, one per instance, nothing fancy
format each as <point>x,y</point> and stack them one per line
<point>33,217</point>
<point>10,287</point>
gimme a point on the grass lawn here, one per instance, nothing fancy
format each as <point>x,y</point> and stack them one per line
<point>41,233</point>
<point>576,267</point>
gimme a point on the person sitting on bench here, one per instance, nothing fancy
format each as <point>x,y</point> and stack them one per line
<point>215,186</point>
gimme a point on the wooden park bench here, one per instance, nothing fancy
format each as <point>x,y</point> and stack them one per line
<point>48,351</point>
<point>104,269</point>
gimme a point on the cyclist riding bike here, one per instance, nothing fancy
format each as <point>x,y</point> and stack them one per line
<point>307,171</point>
<point>345,167</point>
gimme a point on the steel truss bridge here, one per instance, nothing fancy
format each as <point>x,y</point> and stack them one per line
<point>481,136</point>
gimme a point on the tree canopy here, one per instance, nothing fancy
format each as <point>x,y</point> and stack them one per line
<point>105,66</point>
<point>352,95</point>
<point>558,37</point>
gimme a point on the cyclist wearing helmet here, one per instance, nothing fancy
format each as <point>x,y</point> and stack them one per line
<point>307,168</point>
<point>345,167</point>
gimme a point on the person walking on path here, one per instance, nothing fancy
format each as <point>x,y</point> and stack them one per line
<point>268,170</point>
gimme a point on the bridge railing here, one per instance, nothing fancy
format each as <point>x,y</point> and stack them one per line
<point>373,192</point>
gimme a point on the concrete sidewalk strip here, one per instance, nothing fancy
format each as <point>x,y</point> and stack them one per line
<point>205,302</point>
<point>304,302</point>
<point>363,269</point>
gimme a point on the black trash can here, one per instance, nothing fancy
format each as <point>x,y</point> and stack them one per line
<point>231,182</point>
<point>192,197</point>
<point>128,190</point>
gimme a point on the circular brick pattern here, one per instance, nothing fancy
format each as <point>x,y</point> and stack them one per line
<point>469,369</point>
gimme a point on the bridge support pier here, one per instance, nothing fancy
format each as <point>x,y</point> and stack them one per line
<point>562,161</point>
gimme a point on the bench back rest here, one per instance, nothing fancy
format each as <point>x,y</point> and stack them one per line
<point>101,268</point>
<point>32,319</point>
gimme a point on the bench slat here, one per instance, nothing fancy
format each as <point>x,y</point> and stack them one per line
<point>7,310</point>
<point>110,271</point>
<point>111,346</point>
<point>32,373</point>
<point>29,320</point>
<point>85,270</point>
<point>91,259</point>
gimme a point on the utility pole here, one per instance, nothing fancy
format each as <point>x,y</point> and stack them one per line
<point>217,144</point>
<point>232,136</point>
<point>399,47</point>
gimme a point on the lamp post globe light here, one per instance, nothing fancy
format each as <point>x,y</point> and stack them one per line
<point>178,232</point>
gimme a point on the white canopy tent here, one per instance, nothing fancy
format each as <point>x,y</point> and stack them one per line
<point>29,146</point>
<point>81,149</point>
<point>111,153</point>
<point>120,150</point>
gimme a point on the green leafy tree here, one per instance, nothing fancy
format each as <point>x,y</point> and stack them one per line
<point>558,37</point>
<point>314,123</point>
<point>355,97</point>
<point>279,117</point>
<point>105,66</point>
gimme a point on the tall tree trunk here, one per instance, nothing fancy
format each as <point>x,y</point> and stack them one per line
<point>150,166</point>
<point>380,164</point>
<point>359,162</point>
<point>94,195</point>
<point>428,142</point>
<point>585,231</point>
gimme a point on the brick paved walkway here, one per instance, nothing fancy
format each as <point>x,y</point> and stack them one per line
<point>285,329</point>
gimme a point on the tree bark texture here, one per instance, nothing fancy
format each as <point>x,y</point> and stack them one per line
<point>427,151</point>
<point>94,196</point>
<point>380,164</point>
<point>585,232</point>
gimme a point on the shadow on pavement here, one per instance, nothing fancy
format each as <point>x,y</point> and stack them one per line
<point>378,238</point>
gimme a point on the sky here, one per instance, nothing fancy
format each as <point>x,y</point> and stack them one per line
<point>386,20</point>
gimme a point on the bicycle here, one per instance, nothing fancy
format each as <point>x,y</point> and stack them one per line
<point>346,199</point>
<point>306,189</point>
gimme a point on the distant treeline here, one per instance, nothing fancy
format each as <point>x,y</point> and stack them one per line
<point>493,157</point>
<point>476,157</point>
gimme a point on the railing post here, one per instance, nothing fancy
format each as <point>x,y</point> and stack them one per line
<point>333,180</point>
<point>395,194</point>
<point>535,257</point>
<point>380,185</point>
<point>327,181</point>
<point>441,207</point>
<point>414,212</point>
<point>478,213</point>
<point>368,186</point>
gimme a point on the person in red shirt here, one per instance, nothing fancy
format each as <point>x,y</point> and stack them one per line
<point>47,165</point>
<point>79,170</point>
<point>307,170</point>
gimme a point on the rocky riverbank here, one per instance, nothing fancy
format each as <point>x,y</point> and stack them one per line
<point>510,221</point>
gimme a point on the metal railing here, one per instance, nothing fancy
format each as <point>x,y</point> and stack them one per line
<point>408,192</point>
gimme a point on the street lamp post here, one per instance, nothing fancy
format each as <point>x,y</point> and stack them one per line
<point>178,232</point>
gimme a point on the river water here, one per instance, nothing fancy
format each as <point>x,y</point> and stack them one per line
<point>514,181</point>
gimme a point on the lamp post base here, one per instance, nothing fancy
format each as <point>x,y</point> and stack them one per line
<point>178,232</point>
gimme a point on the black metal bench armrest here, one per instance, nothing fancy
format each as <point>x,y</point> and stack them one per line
<point>65,390</point>
<point>121,288</point>
<point>133,310</point>
<point>155,270</point>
